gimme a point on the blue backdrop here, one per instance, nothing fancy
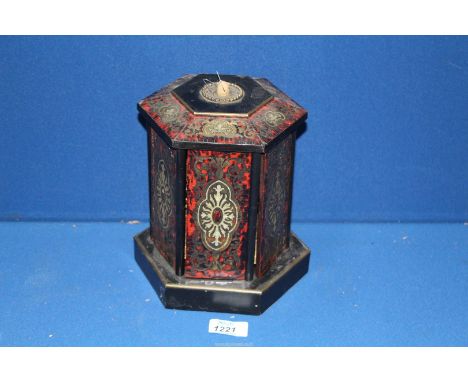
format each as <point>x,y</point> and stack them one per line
<point>387,137</point>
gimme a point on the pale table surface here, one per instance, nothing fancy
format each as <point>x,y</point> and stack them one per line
<point>77,284</point>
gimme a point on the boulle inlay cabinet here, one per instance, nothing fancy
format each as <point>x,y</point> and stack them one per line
<point>221,157</point>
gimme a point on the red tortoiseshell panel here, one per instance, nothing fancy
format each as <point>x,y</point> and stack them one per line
<point>273,213</point>
<point>271,120</point>
<point>217,203</point>
<point>164,109</point>
<point>230,131</point>
<point>162,184</point>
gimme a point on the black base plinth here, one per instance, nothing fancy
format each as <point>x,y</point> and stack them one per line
<point>247,297</point>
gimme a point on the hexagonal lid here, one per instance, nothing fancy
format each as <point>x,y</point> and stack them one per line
<point>236,113</point>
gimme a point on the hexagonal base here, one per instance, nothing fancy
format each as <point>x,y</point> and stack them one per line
<point>247,297</point>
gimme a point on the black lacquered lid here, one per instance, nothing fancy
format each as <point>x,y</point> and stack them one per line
<point>244,114</point>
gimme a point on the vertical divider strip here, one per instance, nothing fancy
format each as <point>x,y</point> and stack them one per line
<point>180,210</point>
<point>253,209</point>
<point>291,179</point>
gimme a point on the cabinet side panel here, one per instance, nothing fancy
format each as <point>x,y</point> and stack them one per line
<point>218,192</point>
<point>162,196</point>
<point>273,226</point>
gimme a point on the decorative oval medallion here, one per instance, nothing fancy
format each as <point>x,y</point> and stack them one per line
<point>277,199</point>
<point>168,113</point>
<point>218,127</point>
<point>274,118</point>
<point>217,216</point>
<point>163,194</point>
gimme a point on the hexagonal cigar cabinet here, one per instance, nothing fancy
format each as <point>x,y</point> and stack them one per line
<point>221,154</point>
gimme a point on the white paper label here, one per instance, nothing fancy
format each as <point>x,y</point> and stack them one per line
<point>230,328</point>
